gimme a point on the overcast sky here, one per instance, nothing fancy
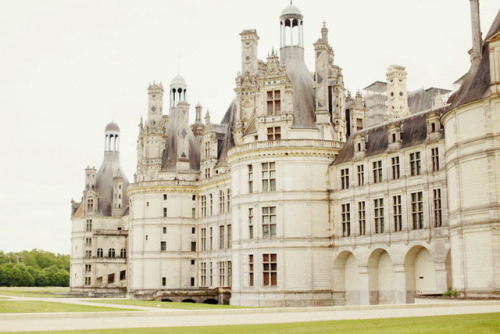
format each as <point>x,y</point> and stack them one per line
<point>67,68</point>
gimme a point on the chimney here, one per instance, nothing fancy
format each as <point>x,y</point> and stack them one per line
<point>477,42</point>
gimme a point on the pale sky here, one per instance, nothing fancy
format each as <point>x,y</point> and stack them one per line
<point>67,68</point>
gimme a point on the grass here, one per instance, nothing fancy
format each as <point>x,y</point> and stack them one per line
<point>37,292</point>
<point>169,305</point>
<point>15,306</point>
<point>469,323</point>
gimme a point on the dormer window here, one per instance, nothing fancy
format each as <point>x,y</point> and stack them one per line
<point>359,146</point>
<point>273,102</point>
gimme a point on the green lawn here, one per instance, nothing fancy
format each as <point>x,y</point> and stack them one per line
<point>38,292</point>
<point>170,305</point>
<point>16,306</point>
<point>470,323</point>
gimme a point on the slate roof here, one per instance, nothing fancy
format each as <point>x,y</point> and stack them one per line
<point>413,132</point>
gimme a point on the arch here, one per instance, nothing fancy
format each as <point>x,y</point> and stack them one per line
<point>420,272</point>
<point>347,278</point>
<point>99,252</point>
<point>123,253</point>
<point>111,252</point>
<point>380,277</point>
<point>166,300</point>
<point>211,301</point>
<point>189,301</point>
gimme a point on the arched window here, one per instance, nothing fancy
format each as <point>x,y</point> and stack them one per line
<point>123,253</point>
<point>99,252</point>
<point>111,252</point>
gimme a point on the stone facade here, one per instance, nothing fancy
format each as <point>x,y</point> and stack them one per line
<point>302,195</point>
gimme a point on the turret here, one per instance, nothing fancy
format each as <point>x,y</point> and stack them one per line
<point>90,178</point>
<point>397,94</point>
<point>249,43</point>
<point>178,91</point>
<point>155,104</point>
<point>118,189</point>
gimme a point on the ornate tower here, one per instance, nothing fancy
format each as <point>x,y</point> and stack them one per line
<point>249,42</point>
<point>397,95</point>
<point>155,104</point>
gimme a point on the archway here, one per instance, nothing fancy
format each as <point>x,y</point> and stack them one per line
<point>211,301</point>
<point>346,279</point>
<point>420,273</point>
<point>189,301</point>
<point>380,277</point>
<point>166,300</point>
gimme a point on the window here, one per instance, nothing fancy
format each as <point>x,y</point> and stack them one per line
<point>88,280</point>
<point>221,237</point>
<point>90,204</point>
<point>362,217</point>
<point>192,262</point>
<point>163,245</point>
<point>250,270</point>
<point>88,268</point>
<point>210,275</point>
<point>417,210</point>
<point>88,253</point>
<point>396,211</point>
<point>164,212</point>
<point>435,159</point>
<point>273,102</point>
<point>269,222</point>
<point>211,204</point>
<point>203,239</point>
<point>415,165</point>
<point>346,220</point>
<point>229,273</point>
<point>378,214</point>
<point>193,230</point>
<point>395,168</point>
<point>344,178</point>
<point>111,252</point>
<point>164,229</point>
<point>163,281</point>
<point>89,225</point>
<point>207,173</point>
<point>222,200</point>
<point>359,124</point>
<point>269,176</point>
<point>274,133</point>
<point>361,175</point>
<point>228,206</point>
<point>88,241</point>
<point>193,246</point>
<point>99,252</point>
<point>123,275</point>
<point>203,274</point>
<point>203,206</point>
<point>164,197</point>
<point>222,273</point>
<point>211,239</point>
<point>269,270</point>
<point>377,171</point>
<point>192,281</point>
<point>193,213</point>
<point>250,223</point>
<point>123,253</point>
<point>111,278</point>
<point>250,179</point>
<point>438,213</point>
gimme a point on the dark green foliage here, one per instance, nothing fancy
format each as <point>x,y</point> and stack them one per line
<point>34,268</point>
